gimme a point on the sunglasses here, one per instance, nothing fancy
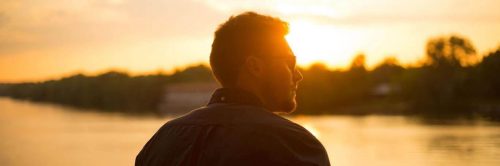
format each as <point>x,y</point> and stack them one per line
<point>290,60</point>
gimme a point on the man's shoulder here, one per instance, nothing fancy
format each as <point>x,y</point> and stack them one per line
<point>244,120</point>
<point>233,115</point>
<point>239,119</point>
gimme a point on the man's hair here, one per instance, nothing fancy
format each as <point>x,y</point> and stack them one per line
<point>241,36</point>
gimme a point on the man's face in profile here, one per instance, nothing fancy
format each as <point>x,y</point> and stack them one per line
<point>281,79</point>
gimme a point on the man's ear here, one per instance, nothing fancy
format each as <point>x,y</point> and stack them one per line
<point>254,66</point>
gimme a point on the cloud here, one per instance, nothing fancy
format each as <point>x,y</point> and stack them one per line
<point>3,19</point>
<point>38,24</point>
<point>42,24</point>
<point>369,11</point>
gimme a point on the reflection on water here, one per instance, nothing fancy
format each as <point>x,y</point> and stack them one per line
<point>396,140</point>
<point>42,134</point>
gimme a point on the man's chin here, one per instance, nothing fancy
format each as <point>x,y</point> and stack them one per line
<point>286,108</point>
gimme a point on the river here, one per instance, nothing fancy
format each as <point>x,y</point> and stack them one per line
<point>48,134</point>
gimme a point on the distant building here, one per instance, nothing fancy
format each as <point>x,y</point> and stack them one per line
<point>384,89</point>
<point>181,98</point>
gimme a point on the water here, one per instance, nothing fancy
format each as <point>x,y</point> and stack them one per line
<point>45,134</point>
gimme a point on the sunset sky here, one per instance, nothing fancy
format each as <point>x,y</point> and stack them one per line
<point>42,40</point>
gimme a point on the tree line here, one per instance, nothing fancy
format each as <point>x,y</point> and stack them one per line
<point>111,91</point>
<point>452,81</point>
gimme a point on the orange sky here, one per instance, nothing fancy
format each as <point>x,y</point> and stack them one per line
<point>40,39</point>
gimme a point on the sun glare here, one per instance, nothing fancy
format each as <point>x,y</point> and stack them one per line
<point>312,42</point>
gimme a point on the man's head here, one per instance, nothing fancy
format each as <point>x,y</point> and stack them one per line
<point>250,52</point>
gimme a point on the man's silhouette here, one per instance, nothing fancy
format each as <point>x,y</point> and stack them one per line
<point>252,61</point>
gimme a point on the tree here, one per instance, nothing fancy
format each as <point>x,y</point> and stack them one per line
<point>358,63</point>
<point>386,70</point>
<point>454,51</point>
<point>488,78</point>
<point>435,88</point>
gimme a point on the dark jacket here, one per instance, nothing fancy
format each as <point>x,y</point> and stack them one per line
<point>233,129</point>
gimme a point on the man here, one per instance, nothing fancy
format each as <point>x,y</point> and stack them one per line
<point>252,61</point>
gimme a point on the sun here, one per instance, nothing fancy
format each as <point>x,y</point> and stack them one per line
<point>313,42</point>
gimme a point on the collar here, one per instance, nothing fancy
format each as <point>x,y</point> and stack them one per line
<point>232,95</point>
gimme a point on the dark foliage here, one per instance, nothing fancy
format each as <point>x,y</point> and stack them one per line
<point>111,91</point>
<point>446,85</point>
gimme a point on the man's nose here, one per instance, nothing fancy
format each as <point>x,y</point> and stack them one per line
<point>297,76</point>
